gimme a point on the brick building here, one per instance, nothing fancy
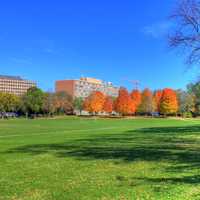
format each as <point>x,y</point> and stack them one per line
<point>15,85</point>
<point>84,86</point>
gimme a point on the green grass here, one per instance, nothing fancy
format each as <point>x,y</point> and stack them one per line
<point>88,159</point>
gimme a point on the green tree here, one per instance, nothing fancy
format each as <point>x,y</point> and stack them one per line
<point>78,104</point>
<point>32,101</point>
<point>186,102</point>
<point>2,102</point>
<point>194,89</point>
<point>9,102</point>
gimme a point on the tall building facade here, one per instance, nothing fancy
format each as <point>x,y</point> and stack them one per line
<point>84,86</point>
<point>15,85</point>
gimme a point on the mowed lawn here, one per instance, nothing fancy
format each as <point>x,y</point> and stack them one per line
<point>103,159</point>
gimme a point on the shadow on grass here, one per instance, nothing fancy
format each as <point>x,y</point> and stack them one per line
<point>179,146</point>
<point>195,179</point>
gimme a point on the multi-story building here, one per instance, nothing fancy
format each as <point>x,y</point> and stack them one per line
<point>84,86</point>
<point>15,85</point>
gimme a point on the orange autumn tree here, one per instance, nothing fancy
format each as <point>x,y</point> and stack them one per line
<point>124,104</point>
<point>95,102</point>
<point>108,105</point>
<point>169,103</point>
<point>136,97</point>
<point>132,107</point>
<point>157,99</point>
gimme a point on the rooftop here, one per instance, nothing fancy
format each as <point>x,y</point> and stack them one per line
<point>91,80</point>
<point>10,77</point>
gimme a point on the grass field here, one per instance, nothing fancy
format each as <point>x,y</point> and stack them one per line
<point>88,159</point>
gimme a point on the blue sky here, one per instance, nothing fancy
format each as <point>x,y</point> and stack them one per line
<point>112,40</point>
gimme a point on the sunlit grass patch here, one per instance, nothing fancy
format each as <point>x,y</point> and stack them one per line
<point>79,159</point>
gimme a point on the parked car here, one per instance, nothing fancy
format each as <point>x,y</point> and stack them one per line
<point>8,114</point>
<point>155,114</point>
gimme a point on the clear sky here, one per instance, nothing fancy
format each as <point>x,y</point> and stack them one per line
<point>108,39</point>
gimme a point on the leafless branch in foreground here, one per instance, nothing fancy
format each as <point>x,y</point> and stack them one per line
<point>186,32</point>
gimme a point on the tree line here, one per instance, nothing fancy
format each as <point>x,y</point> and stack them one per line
<point>184,103</point>
<point>162,102</point>
<point>36,102</point>
<point>137,102</point>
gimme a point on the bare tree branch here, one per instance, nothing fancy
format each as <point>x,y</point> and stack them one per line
<point>186,34</point>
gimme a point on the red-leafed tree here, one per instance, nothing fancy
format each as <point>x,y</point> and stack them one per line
<point>157,99</point>
<point>169,103</point>
<point>95,102</point>
<point>108,105</point>
<point>124,104</point>
<point>136,97</point>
